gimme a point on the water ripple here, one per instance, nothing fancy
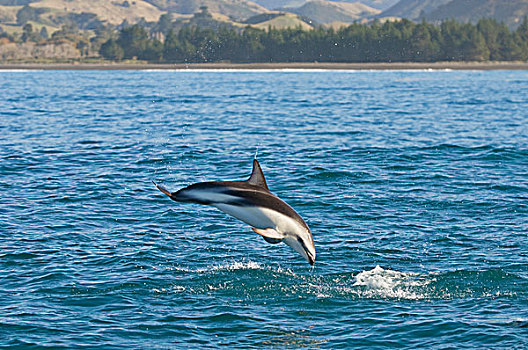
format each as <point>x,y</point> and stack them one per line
<point>414,185</point>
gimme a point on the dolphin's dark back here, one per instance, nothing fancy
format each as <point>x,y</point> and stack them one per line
<point>241,193</point>
<point>252,192</point>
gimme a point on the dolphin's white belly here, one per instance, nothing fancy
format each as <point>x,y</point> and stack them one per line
<point>260,217</point>
<point>254,216</point>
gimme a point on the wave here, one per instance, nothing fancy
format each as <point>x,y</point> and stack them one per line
<point>233,266</point>
<point>380,283</point>
<point>254,279</point>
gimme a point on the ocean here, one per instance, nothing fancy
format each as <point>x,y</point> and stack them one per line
<point>414,184</point>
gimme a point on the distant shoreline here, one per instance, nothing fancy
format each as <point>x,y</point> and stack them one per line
<point>271,66</point>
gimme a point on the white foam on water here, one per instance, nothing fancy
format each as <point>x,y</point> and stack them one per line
<point>378,283</point>
<point>179,289</point>
<point>20,70</point>
<point>173,289</point>
<point>224,267</point>
<point>381,283</point>
<point>245,265</point>
<point>498,294</point>
<point>233,266</point>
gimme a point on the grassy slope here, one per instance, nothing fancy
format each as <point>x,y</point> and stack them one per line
<point>325,12</point>
<point>510,12</point>
<point>288,20</point>
<point>237,9</point>
<point>356,8</point>
<point>111,11</point>
<point>8,13</point>
<point>411,9</point>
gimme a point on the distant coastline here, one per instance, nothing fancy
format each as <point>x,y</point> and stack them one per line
<point>271,66</point>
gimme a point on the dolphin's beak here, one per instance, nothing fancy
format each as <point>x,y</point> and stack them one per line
<point>162,189</point>
<point>311,259</point>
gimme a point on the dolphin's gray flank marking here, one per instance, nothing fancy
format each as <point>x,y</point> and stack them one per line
<point>252,202</point>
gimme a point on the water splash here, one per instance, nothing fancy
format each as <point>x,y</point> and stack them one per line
<point>376,283</point>
<point>379,282</point>
<point>233,266</point>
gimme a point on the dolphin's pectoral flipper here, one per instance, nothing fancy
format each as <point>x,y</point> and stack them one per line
<point>272,240</point>
<point>270,233</point>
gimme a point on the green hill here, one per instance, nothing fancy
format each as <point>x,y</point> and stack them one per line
<point>117,11</point>
<point>8,13</point>
<point>379,4</point>
<point>234,9</point>
<point>326,12</point>
<point>113,12</point>
<point>510,12</point>
<point>16,2</point>
<point>412,9</point>
<point>277,4</point>
<point>93,14</point>
<point>283,21</point>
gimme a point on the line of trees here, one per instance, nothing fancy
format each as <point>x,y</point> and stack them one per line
<point>399,41</point>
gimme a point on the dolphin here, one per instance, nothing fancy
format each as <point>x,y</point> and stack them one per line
<point>252,202</point>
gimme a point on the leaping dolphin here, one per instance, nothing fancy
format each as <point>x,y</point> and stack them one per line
<point>252,202</point>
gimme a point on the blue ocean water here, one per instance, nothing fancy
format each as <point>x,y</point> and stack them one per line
<point>414,183</point>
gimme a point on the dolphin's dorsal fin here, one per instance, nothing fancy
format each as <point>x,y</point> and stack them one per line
<point>257,176</point>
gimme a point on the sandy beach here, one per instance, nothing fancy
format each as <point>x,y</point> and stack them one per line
<point>271,66</point>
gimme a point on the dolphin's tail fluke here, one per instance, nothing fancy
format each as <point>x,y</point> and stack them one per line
<point>163,189</point>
